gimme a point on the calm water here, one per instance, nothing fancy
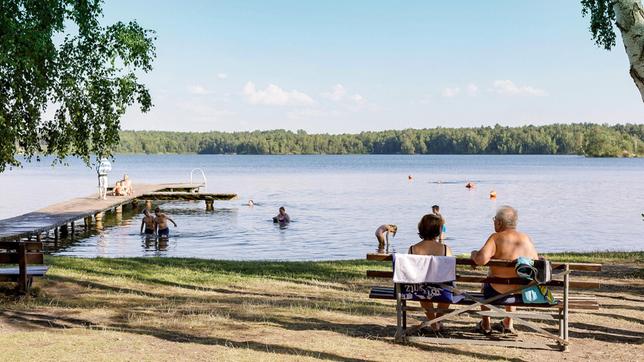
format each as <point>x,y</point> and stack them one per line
<point>336,202</point>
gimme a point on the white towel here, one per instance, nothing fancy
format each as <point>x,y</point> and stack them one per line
<point>410,268</point>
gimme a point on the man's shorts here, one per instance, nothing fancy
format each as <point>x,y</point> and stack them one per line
<point>489,292</point>
<point>149,231</point>
<point>164,232</point>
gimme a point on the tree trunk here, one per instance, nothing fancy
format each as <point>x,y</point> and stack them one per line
<point>629,18</point>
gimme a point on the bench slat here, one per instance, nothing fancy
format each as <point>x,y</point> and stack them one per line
<point>497,262</point>
<point>14,258</point>
<point>485,342</point>
<point>573,302</point>
<point>508,281</point>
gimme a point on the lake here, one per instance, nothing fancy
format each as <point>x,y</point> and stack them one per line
<point>565,203</point>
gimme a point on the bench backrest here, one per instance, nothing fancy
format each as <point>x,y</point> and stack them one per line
<point>29,252</point>
<point>556,266</point>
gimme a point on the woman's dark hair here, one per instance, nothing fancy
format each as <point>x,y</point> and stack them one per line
<point>430,227</point>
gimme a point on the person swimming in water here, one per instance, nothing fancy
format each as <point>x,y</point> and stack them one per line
<point>382,234</point>
<point>282,217</point>
<point>148,222</point>
<point>161,220</point>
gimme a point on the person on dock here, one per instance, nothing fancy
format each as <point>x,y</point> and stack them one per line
<point>149,222</point>
<point>505,243</point>
<point>436,210</point>
<point>382,234</point>
<point>118,189</point>
<point>102,170</point>
<point>430,229</point>
<point>282,217</point>
<point>126,183</point>
<point>161,220</point>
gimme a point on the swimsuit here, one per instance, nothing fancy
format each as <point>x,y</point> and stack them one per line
<point>489,292</point>
<point>164,232</point>
<point>149,231</point>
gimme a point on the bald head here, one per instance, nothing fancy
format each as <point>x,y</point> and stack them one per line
<point>507,216</point>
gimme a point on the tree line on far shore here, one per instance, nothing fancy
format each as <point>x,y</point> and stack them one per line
<point>557,139</point>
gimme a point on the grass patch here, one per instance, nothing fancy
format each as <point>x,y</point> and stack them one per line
<point>601,257</point>
<point>183,308</point>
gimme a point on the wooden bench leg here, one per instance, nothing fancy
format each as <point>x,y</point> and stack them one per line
<point>22,269</point>
<point>565,308</point>
<point>400,329</point>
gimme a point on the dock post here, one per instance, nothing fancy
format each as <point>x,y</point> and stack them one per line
<point>98,217</point>
<point>56,236</point>
<point>210,205</point>
<point>72,224</point>
<point>119,209</point>
<point>64,231</point>
<point>38,237</point>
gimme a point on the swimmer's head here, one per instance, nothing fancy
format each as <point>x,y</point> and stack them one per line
<point>282,210</point>
<point>393,229</point>
<point>157,210</point>
<point>436,209</point>
<point>250,203</point>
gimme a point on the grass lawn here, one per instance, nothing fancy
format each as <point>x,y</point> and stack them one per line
<point>192,309</point>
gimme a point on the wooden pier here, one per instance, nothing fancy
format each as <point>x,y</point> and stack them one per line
<point>62,217</point>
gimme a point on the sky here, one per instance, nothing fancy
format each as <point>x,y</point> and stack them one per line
<point>335,66</point>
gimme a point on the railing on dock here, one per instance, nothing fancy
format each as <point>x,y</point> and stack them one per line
<point>203,174</point>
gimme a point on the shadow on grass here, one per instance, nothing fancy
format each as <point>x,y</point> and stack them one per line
<point>223,296</point>
<point>42,320</point>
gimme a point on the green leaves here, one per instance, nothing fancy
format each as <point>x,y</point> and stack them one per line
<point>66,80</point>
<point>584,139</point>
<point>602,17</point>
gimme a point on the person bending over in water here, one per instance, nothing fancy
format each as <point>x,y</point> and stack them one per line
<point>282,217</point>
<point>436,210</point>
<point>149,223</point>
<point>382,234</point>
<point>429,229</point>
<point>161,220</point>
<point>506,243</point>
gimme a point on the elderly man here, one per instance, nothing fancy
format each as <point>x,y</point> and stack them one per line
<point>506,243</point>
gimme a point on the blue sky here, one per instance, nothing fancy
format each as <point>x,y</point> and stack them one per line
<point>347,66</point>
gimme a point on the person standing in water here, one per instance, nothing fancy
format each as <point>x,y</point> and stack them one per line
<point>436,210</point>
<point>149,222</point>
<point>161,221</point>
<point>282,217</point>
<point>102,169</point>
<point>382,234</point>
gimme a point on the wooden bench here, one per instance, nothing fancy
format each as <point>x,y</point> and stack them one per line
<point>474,300</point>
<point>28,255</point>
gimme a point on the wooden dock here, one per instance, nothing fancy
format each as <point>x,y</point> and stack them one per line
<point>58,217</point>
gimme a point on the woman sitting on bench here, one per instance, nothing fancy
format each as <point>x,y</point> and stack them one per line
<point>429,229</point>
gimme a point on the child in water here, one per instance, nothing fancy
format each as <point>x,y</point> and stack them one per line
<point>382,234</point>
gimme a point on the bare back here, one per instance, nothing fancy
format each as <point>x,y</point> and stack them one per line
<point>509,245</point>
<point>430,247</point>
